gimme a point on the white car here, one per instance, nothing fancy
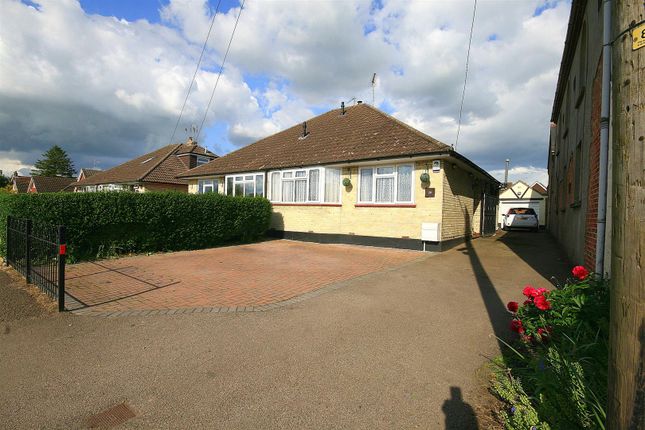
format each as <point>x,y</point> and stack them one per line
<point>520,218</point>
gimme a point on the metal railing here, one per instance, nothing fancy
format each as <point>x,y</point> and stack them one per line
<point>37,252</point>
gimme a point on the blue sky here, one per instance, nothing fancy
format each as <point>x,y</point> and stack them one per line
<point>109,89</point>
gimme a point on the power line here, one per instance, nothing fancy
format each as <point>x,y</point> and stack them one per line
<point>463,93</point>
<point>192,81</point>
<point>199,131</point>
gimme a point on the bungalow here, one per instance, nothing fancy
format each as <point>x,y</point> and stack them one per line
<point>48,184</point>
<point>358,175</point>
<point>155,171</point>
<point>20,184</point>
<point>521,195</point>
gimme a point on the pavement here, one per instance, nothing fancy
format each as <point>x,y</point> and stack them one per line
<point>399,347</point>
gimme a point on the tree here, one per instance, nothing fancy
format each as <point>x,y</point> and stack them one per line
<point>55,162</point>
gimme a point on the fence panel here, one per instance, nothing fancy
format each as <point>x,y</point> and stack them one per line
<point>37,252</point>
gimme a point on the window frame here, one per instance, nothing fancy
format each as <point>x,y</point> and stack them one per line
<point>201,160</point>
<point>243,182</point>
<point>376,175</point>
<point>202,184</point>
<point>295,174</point>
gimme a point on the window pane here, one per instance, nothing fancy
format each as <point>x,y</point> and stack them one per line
<point>248,178</point>
<point>301,174</point>
<point>275,187</point>
<point>229,186</point>
<point>249,187</point>
<point>332,185</point>
<point>287,191</point>
<point>366,185</point>
<point>314,185</point>
<point>200,187</point>
<point>238,178</point>
<point>301,191</point>
<point>287,175</point>
<point>404,184</point>
<point>385,170</point>
<point>239,189</point>
<point>259,185</point>
<point>384,190</point>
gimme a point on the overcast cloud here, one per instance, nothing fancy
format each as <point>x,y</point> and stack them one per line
<point>107,89</point>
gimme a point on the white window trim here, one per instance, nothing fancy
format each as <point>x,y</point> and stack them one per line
<point>321,185</point>
<point>202,184</point>
<point>255,174</point>
<point>200,161</point>
<point>375,175</point>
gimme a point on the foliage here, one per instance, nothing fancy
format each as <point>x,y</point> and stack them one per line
<point>4,181</point>
<point>55,162</point>
<point>104,224</point>
<point>561,355</point>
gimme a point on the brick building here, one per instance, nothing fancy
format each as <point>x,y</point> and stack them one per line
<point>358,175</point>
<point>574,148</point>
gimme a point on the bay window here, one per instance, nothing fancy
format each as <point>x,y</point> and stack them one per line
<point>245,185</point>
<point>310,185</point>
<point>386,184</point>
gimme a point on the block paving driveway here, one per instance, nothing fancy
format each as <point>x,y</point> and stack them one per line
<point>235,278</point>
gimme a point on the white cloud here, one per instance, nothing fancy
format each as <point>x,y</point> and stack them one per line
<point>528,174</point>
<point>116,91</point>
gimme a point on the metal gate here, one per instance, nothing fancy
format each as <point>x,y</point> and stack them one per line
<point>489,214</point>
<point>37,252</point>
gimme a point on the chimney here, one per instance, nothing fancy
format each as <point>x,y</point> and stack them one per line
<point>190,141</point>
<point>359,102</point>
<point>508,160</point>
<point>342,108</point>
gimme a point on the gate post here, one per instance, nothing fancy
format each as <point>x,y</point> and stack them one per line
<point>28,231</point>
<point>62,251</point>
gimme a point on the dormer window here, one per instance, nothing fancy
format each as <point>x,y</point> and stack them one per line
<point>202,160</point>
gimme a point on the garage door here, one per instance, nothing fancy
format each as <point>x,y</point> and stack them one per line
<point>504,206</point>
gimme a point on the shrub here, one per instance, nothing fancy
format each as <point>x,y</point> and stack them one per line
<point>561,354</point>
<point>100,224</point>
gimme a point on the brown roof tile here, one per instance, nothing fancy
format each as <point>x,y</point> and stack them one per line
<point>51,184</point>
<point>22,183</point>
<point>363,133</point>
<point>162,165</point>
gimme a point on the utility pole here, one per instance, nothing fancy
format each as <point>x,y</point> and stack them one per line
<point>626,395</point>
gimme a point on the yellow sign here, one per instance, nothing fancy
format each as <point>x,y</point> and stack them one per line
<point>638,36</point>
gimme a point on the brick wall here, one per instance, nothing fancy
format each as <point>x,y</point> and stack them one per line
<point>594,161</point>
<point>460,205</point>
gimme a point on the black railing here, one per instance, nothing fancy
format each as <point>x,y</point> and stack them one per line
<point>37,252</point>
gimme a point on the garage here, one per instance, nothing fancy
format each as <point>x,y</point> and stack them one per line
<point>504,206</point>
<point>522,195</point>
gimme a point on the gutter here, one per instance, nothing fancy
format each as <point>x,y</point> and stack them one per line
<point>603,166</point>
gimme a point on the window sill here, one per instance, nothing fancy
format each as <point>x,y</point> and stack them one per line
<point>380,205</point>
<point>333,205</point>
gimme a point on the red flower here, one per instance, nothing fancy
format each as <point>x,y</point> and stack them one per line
<point>541,292</point>
<point>517,327</point>
<point>527,302</point>
<point>529,291</point>
<point>543,333</point>
<point>527,339</point>
<point>513,306</point>
<point>580,272</point>
<point>542,303</point>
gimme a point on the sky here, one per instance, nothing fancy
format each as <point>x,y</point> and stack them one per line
<point>106,80</point>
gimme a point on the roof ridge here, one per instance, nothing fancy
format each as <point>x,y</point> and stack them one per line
<point>161,160</point>
<point>406,126</point>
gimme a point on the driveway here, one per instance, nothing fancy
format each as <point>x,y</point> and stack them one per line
<point>394,348</point>
<point>234,278</point>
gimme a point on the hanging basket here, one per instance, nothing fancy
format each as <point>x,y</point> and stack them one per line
<point>425,178</point>
<point>347,182</point>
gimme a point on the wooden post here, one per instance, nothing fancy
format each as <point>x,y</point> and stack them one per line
<point>626,396</point>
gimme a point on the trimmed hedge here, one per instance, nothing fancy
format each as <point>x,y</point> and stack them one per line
<point>102,224</point>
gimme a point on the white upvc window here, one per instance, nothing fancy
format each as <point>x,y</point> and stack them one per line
<point>386,184</point>
<point>307,185</point>
<point>247,184</point>
<point>206,186</point>
<point>202,160</point>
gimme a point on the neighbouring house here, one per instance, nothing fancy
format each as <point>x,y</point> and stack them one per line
<point>20,184</point>
<point>155,171</point>
<point>85,173</point>
<point>521,195</point>
<point>49,184</point>
<point>357,175</point>
<point>574,150</point>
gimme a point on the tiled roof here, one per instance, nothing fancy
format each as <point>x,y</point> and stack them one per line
<point>539,188</point>
<point>162,165</point>
<point>51,184</point>
<point>90,172</point>
<point>363,133</point>
<point>22,183</point>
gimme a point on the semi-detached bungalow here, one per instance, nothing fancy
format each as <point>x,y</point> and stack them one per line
<point>357,175</point>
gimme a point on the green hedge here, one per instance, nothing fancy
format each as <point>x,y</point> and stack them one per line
<point>102,224</point>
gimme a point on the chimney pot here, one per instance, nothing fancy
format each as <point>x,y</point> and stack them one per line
<point>190,141</point>
<point>359,102</point>
<point>342,108</point>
